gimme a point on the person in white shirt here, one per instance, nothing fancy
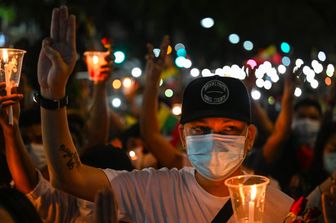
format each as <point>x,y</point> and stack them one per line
<point>215,128</point>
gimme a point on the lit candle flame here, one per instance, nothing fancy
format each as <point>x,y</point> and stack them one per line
<point>95,59</point>
<point>5,56</point>
<point>253,192</point>
<point>133,155</point>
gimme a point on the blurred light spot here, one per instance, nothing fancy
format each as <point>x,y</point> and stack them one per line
<point>297,92</point>
<point>285,47</point>
<point>136,72</point>
<point>255,94</point>
<point>181,52</point>
<point>119,57</point>
<point>267,84</point>
<point>314,84</point>
<point>116,102</point>
<point>219,72</point>
<point>271,100</point>
<point>330,70</point>
<point>318,68</point>
<point>207,22</point>
<point>132,155</point>
<point>179,46</point>
<point>169,93</point>
<point>285,61</point>
<point>2,40</point>
<point>252,63</point>
<point>179,61</point>
<point>234,38</point>
<point>194,72</point>
<point>206,72</point>
<point>161,82</point>
<point>156,52</point>
<point>187,63</point>
<point>321,56</point>
<point>299,62</point>
<point>282,69</point>
<point>176,109</point>
<point>116,84</point>
<point>127,82</point>
<point>260,83</point>
<point>327,81</point>
<point>248,45</point>
<point>169,49</point>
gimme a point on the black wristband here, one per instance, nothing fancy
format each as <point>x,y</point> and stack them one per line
<point>48,103</point>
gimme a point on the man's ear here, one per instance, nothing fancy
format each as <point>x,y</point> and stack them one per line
<point>252,132</point>
<point>182,136</point>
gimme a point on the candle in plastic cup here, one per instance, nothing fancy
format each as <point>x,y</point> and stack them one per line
<point>94,60</point>
<point>10,71</point>
<point>247,194</point>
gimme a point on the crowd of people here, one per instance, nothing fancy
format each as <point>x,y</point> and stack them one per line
<point>86,165</point>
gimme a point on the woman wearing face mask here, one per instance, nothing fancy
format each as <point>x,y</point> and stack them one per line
<point>324,173</point>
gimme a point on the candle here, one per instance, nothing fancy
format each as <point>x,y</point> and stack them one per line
<point>10,70</point>
<point>251,203</point>
<point>94,60</point>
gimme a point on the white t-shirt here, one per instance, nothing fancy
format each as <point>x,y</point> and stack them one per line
<point>164,195</point>
<point>54,205</point>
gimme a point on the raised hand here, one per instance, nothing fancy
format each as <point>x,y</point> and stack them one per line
<point>154,66</point>
<point>58,54</point>
<point>6,101</point>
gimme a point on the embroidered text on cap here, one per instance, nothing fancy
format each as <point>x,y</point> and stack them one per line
<point>214,92</point>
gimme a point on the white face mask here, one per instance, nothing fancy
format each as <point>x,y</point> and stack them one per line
<point>215,156</point>
<point>329,161</point>
<point>306,130</point>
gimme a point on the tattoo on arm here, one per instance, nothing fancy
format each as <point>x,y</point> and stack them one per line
<point>73,160</point>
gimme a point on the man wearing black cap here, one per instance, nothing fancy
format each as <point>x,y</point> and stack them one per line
<point>215,128</point>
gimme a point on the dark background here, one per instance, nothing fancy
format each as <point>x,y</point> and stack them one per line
<point>307,25</point>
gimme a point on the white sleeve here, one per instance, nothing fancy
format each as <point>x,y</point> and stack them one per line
<point>52,204</point>
<point>314,198</point>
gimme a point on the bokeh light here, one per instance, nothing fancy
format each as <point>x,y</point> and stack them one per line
<point>116,102</point>
<point>169,93</point>
<point>194,72</point>
<point>234,38</point>
<point>119,57</point>
<point>321,56</point>
<point>136,72</point>
<point>285,47</point>
<point>116,84</point>
<point>248,45</point>
<point>207,22</point>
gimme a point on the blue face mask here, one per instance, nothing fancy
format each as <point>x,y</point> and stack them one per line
<point>215,156</point>
<point>329,161</point>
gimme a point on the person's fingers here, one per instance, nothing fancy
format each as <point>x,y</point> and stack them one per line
<point>54,27</point>
<point>3,87</point>
<point>71,31</point>
<point>150,53</point>
<point>63,22</point>
<point>164,46</point>
<point>53,55</point>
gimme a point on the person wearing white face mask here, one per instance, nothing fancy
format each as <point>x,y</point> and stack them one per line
<point>324,172</point>
<point>215,105</point>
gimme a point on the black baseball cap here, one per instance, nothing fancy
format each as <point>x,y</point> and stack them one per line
<point>216,96</point>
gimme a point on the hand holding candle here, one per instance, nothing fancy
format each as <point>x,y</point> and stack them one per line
<point>94,61</point>
<point>10,71</point>
<point>247,194</point>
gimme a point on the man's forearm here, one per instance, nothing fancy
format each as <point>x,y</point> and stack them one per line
<point>62,155</point>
